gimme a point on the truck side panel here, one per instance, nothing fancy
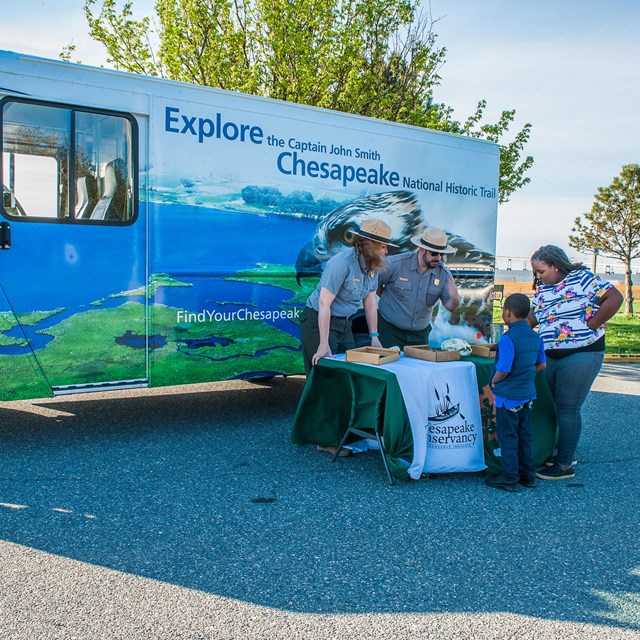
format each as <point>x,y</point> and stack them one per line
<point>241,202</point>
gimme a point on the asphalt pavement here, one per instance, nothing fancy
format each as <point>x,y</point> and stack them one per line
<point>186,513</point>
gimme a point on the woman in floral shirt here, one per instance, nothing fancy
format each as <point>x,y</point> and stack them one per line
<point>571,306</point>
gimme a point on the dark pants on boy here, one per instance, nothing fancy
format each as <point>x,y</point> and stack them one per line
<point>515,436</point>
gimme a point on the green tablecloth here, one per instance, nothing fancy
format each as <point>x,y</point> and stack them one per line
<point>339,395</point>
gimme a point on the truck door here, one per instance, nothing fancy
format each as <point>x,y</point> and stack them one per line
<point>72,250</point>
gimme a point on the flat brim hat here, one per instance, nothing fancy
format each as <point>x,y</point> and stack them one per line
<point>376,230</point>
<point>434,240</point>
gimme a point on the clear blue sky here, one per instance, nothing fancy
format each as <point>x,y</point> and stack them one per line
<point>568,67</point>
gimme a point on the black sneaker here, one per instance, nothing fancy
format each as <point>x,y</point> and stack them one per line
<point>528,482</point>
<point>549,462</point>
<point>556,472</point>
<point>502,481</point>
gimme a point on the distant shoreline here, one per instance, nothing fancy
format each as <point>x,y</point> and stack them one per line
<point>247,209</point>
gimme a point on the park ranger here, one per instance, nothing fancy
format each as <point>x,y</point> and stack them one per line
<point>410,286</point>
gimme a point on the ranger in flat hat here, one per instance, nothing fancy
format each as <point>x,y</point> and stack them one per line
<point>349,279</point>
<point>410,286</point>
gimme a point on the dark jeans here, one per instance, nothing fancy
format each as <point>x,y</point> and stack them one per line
<point>515,436</point>
<point>570,380</point>
<point>340,335</point>
<point>391,336</point>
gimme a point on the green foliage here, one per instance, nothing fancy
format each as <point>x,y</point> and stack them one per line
<point>512,168</point>
<point>613,224</point>
<point>296,202</point>
<point>376,58</point>
<point>127,41</point>
<point>623,334</point>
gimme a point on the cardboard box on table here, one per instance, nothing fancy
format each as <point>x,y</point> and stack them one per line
<point>484,350</point>
<point>425,352</point>
<point>372,355</point>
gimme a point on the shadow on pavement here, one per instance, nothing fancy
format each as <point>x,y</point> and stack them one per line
<point>204,490</point>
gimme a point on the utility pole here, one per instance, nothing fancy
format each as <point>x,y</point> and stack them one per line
<point>595,259</point>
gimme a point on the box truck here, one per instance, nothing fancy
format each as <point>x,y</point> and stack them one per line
<point>157,233</point>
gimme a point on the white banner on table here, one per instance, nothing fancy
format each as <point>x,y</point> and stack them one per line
<point>442,402</point>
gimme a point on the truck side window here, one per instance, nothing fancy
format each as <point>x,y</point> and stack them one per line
<point>67,163</point>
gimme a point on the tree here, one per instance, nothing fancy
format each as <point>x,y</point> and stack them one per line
<point>376,58</point>
<point>613,224</point>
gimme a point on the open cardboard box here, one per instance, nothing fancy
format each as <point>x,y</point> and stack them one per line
<point>484,350</point>
<point>425,352</point>
<point>372,355</point>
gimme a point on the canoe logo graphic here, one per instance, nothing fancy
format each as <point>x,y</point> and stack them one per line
<point>445,409</point>
<point>448,428</point>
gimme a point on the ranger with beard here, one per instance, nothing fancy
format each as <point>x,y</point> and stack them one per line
<point>409,288</point>
<point>349,280</point>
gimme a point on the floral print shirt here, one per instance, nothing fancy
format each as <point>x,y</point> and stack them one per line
<point>563,309</point>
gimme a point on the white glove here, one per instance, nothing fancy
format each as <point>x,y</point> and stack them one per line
<point>456,344</point>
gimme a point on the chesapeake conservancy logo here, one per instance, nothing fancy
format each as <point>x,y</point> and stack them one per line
<point>448,428</point>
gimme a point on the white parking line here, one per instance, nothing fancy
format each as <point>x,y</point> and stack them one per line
<point>8,505</point>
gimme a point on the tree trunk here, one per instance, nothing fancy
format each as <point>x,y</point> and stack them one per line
<point>628,298</point>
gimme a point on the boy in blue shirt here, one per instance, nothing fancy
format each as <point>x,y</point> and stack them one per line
<point>520,356</point>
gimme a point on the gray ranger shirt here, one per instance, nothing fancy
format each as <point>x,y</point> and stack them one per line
<point>409,296</point>
<point>343,277</point>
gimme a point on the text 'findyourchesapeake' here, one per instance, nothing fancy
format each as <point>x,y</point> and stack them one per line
<point>182,315</point>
